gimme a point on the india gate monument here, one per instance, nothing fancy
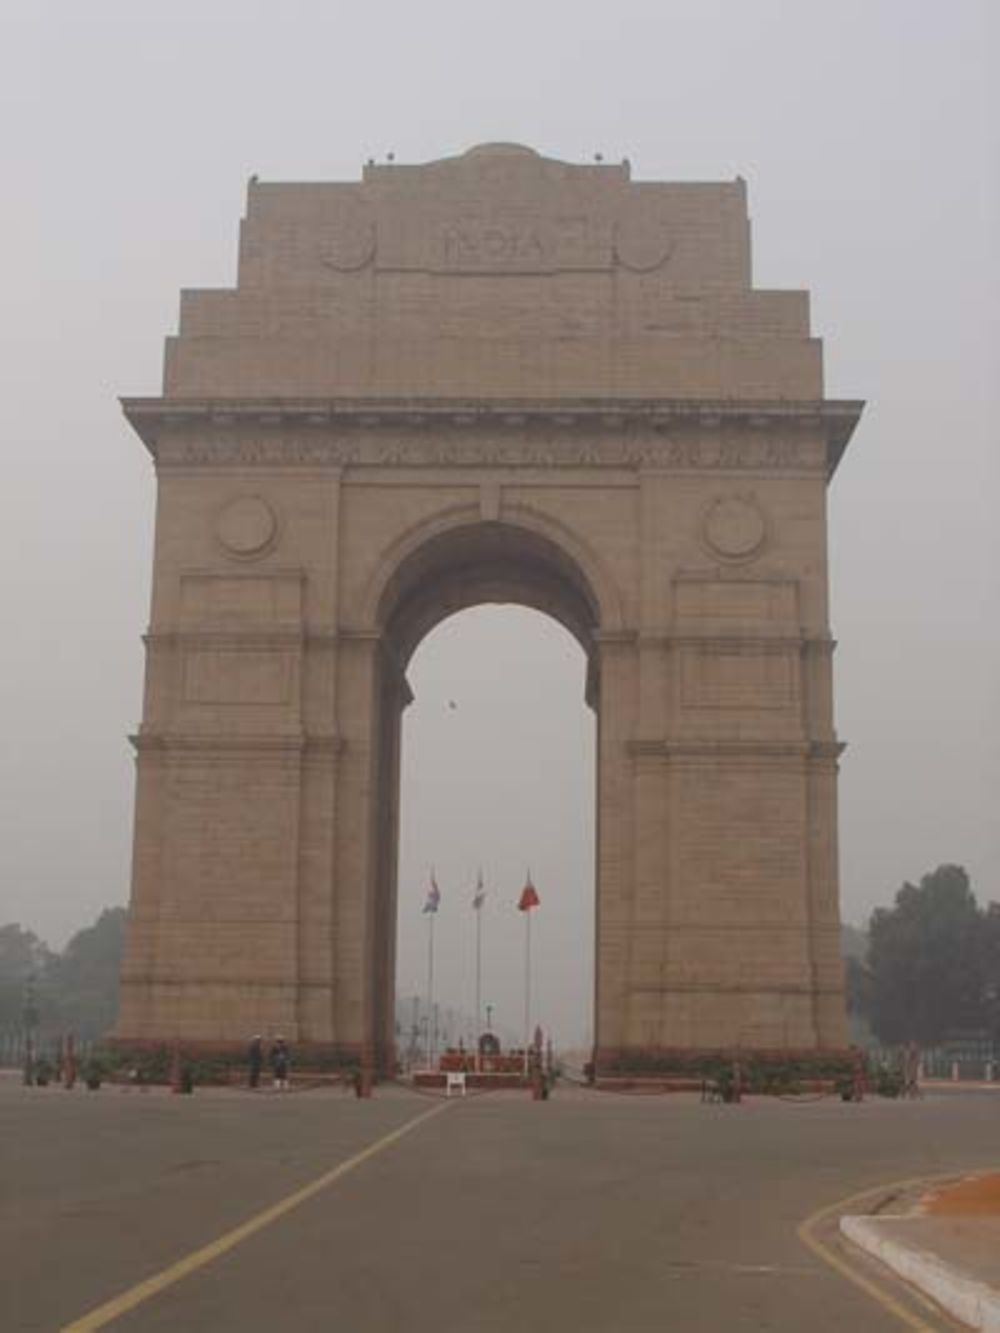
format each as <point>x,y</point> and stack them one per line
<point>491,378</point>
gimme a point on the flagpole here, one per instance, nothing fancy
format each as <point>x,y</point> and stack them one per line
<point>527,987</point>
<point>430,985</point>
<point>527,902</point>
<point>479,978</point>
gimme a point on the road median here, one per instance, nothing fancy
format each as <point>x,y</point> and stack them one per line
<point>947,1245</point>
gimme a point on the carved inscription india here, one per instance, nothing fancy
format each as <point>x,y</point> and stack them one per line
<point>490,244</point>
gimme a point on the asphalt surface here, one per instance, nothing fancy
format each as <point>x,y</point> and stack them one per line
<point>590,1212</point>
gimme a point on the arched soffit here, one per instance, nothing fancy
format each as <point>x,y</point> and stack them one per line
<point>460,560</point>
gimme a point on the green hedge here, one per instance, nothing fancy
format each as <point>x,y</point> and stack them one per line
<point>153,1062</point>
<point>761,1071</point>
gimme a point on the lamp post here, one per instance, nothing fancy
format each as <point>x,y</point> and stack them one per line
<point>29,1018</point>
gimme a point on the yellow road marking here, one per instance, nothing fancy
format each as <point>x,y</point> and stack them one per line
<point>142,1291</point>
<point>805,1233</point>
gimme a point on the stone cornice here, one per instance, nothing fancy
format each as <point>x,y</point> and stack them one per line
<point>763,637</point>
<point>651,747</point>
<point>252,638</point>
<point>671,987</point>
<point>637,432</point>
<point>213,744</point>
<point>303,636</point>
<point>828,750</point>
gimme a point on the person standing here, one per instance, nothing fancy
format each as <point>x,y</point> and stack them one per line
<point>279,1063</point>
<point>255,1060</point>
<point>911,1070</point>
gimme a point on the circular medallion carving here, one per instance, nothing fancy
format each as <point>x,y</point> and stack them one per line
<point>734,527</point>
<point>350,244</point>
<point>642,244</point>
<point>247,526</point>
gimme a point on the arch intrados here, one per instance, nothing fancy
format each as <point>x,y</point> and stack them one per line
<point>518,516</point>
<point>476,562</point>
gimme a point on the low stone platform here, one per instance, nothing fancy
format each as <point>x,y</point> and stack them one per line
<point>650,1085</point>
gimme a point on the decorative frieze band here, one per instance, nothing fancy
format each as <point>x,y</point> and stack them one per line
<point>486,449</point>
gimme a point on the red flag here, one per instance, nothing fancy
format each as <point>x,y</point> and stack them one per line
<point>529,897</point>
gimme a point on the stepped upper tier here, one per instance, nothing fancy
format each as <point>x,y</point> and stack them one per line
<point>498,273</point>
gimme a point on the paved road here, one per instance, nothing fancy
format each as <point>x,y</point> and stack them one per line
<point>591,1212</point>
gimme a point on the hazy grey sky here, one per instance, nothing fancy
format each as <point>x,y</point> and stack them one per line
<point>868,133</point>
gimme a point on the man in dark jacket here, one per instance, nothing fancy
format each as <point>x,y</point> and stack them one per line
<point>279,1064</point>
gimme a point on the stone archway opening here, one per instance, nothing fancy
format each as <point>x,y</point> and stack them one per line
<point>498,773</point>
<point>484,565</point>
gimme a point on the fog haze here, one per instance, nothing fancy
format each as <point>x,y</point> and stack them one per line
<point>868,135</point>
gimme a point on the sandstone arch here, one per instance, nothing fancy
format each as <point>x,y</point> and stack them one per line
<point>496,376</point>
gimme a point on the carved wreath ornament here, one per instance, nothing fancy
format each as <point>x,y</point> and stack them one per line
<point>734,527</point>
<point>246,527</point>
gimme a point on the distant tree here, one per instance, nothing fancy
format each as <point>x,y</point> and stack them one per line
<point>857,981</point>
<point>853,942</point>
<point>21,953</point>
<point>23,958</point>
<point>857,987</point>
<point>926,959</point>
<point>84,978</point>
<point>991,970</point>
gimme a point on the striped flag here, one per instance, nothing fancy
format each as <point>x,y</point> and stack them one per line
<point>433,899</point>
<point>479,897</point>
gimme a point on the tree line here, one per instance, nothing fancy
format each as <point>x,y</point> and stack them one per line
<point>72,991</point>
<point>929,971</point>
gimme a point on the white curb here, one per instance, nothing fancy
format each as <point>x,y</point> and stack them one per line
<point>974,1303</point>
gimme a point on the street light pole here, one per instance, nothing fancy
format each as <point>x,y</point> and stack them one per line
<point>29,1015</point>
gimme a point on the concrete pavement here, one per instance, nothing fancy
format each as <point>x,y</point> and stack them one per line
<point>591,1212</point>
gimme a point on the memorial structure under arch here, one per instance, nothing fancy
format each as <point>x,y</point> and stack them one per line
<point>495,377</point>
